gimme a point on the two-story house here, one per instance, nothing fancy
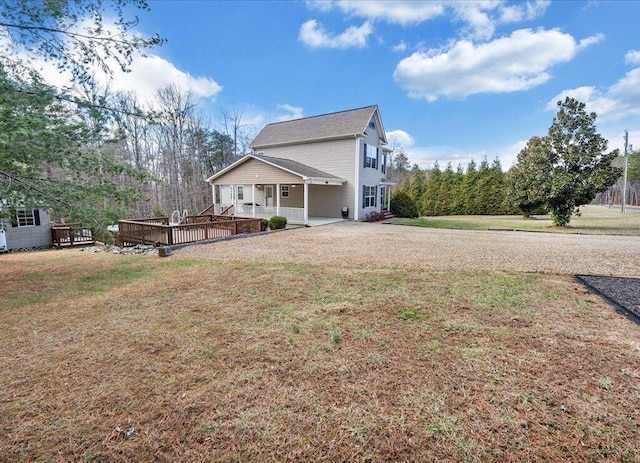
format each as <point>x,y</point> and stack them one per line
<point>332,165</point>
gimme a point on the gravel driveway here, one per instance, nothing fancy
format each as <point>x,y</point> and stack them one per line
<point>383,245</point>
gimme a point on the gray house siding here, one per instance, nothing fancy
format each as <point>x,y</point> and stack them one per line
<point>30,237</point>
<point>369,176</point>
<point>334,157</point>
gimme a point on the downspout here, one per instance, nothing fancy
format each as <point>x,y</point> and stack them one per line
<point>356,194</point>
<point>306,203</point>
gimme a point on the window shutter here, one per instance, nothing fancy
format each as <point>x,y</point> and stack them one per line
<point>36,216</point>
<point>365,155</point>
<point>375,198</point>
<point>377,157</point>
<point>364,196</point>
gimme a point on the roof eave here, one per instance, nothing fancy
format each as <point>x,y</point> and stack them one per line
<point>307,141</point>
<point>324,181</point>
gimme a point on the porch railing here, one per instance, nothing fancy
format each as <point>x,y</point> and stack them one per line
<point>71,234</point>
<point>293,214</point>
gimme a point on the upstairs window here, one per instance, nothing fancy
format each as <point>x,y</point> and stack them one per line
<point>384,164</point>
<point>371,155</point>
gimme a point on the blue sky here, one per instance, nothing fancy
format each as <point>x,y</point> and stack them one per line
<point>453,80</point>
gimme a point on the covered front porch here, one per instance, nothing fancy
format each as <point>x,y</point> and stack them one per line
<point>261,187</point>
<point>302,204</point>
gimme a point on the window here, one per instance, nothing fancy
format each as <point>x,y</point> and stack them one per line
<point>369,196</point>
<point>384,164</point>
<point>284,191</point>
<point>382,194</point>
<point>240,193</point>
<point>26,218</point>
<point>371,156</point>
<point>372,125</point>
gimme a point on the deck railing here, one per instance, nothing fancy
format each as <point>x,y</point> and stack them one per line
<point>196,228</point>
<point>71,234</point>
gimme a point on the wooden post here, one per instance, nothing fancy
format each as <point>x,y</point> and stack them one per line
<point>170,236</point>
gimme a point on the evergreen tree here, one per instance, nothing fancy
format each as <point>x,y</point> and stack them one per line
<point>573,165</point>
<point>417,184</point>
<point>430,198</point>
<point>527,190</point>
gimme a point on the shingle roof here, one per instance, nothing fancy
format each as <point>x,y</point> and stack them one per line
<point>326,126</point>
<point>297,167</point>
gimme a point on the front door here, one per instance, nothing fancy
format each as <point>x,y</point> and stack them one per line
<point>268,195</point>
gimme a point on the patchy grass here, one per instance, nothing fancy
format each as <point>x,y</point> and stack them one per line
<point>595,220</point>
<point>142,359</point>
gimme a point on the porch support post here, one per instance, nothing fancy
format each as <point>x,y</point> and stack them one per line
<point>389,198</point>
<point>306,203</point>
<point>253,199</point>
<point>277,193</point>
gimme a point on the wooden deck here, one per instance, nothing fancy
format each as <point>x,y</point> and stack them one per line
<point>159,231</point>
<point>71,235</point>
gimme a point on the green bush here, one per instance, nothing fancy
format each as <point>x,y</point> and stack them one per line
<point>403,206</point>
<point>277,222</point>
<point>265,225</point>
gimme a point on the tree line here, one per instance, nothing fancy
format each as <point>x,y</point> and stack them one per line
<point>85,152</point>
<point>476,190</point>
<point>556,173</point>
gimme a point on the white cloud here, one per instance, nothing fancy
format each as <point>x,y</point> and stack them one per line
<point>584,43</point>
<point>150,73</point>
<point>513,63</point>
<point>314,35</point>
<point>632,57</point>
<point>293,112</point>
<point>396,12</point>
<point>400,48</point>
<point>399,139</point>
<point>622,99</point>
<point>479,24</point>
<point>479,17</point>
<point>147,74</point>
<point>524,11</point>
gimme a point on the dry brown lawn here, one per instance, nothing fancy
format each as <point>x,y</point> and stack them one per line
<point>245,358</point>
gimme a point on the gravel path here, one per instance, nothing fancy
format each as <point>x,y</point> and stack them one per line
<point>382,245</point>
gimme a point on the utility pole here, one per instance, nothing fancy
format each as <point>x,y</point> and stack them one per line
<point>624,184</point>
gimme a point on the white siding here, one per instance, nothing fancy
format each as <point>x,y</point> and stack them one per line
<point>334,157</point>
